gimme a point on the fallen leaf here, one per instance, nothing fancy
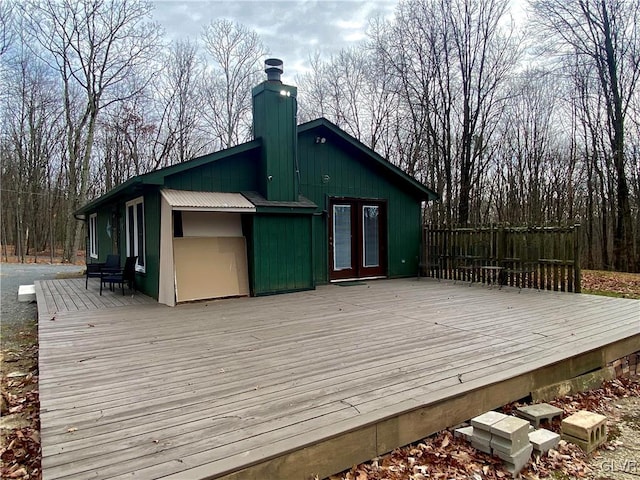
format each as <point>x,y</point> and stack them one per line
<point>19,473</point>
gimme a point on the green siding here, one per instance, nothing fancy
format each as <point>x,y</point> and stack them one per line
<point>335,169</point>
<point>274,122</point>
<point>280,254</point>
<point>233,174</point>
<point>148,282</point>
<point>106,245</point>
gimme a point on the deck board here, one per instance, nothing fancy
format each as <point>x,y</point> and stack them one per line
<point>200,390</point>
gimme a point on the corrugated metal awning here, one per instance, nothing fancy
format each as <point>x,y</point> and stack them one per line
<point>208,201</point>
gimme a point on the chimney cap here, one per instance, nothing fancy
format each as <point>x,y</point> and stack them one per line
<point>274,69</point>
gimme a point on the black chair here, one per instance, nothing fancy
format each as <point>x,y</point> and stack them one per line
<point>94,270</point>
<point>126,275</point>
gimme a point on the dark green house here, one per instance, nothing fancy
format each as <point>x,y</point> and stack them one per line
<point>296,207</point>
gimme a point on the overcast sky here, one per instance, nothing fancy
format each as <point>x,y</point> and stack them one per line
<point>292,30</point>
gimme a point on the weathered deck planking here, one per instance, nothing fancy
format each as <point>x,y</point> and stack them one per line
<point>203,390</point>
<point>70,295</point>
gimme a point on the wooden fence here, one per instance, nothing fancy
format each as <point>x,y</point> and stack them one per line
<point>545,258</point>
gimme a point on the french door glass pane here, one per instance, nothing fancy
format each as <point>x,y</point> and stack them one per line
<point>341,237</point>
<point>370,234</point>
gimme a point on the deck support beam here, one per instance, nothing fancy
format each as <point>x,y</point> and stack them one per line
<point>343,451</point>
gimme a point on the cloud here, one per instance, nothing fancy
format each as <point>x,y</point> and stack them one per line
<point>293,30</point>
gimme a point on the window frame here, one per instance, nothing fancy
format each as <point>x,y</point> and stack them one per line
<point>141,261</point>
<point>93,235</point>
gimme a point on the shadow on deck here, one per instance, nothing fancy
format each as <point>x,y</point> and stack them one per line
<point>303,384</point>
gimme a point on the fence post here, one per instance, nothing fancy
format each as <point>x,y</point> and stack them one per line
<point>576,259</point>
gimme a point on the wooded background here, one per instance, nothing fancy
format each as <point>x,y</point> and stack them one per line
<point>535,125</point>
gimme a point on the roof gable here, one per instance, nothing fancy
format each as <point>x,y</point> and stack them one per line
<point>380,161</point>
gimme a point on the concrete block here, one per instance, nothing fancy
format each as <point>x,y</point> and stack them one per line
<point>543,440</point>
<point>585,425</point>
<point>463,432</point>
<point>484,421</point>
<point>509,447</point>
<point>516,462</point>
<point>27,293</point>
<point>521,456</point>
<point>482,435</point>
<point>483,447</point>
<point>539,412</point>
<point>583,444</point>
<point>511,428</point>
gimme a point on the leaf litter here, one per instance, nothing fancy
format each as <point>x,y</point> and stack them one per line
<point>444,457</point>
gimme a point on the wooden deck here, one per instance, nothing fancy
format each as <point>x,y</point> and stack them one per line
<point>70,295</point>
<point>303,384</point>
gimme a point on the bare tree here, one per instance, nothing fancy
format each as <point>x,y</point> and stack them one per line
<point>450,59</point>
<point>178,95</point>
<point>30,130</point>
<point>236,54</point>
<point>6,30</point>
<point>352,90</point>
<point>605,33</point>
<point>94,45</point>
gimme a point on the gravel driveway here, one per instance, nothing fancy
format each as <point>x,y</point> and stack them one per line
<point>12,275</point>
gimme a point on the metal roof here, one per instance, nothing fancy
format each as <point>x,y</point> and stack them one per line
<point>208,201</point>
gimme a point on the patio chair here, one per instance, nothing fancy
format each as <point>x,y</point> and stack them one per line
<point>126,275</point>
<point>94,270</point>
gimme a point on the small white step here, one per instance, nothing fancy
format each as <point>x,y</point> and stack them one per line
<point>27,293</point>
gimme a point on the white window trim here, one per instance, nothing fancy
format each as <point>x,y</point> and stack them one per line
<point>134,251</point>
<point>93,235</point>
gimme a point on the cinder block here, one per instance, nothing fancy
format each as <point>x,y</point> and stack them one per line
<point>585,425</point>
<point>484,421</point>
<point>538,412</point>
<point>482,435</point>
<point>583,444</point>
<point>483,447</point>
<point>516,462</point>
<point>509,447</point>
<point>463,432</point>
<point>27,293</point>
<point>511,428</point>
<point>543,440</point>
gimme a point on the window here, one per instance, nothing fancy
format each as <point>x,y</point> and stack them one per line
<point>135,232</point>
<point>93,235</point>
<point>342,237</point>
<point>370,236</point>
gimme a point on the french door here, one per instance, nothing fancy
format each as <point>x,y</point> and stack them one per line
<point>357,238</point>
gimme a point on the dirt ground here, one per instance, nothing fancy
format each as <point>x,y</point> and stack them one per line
<point>620,459</point>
